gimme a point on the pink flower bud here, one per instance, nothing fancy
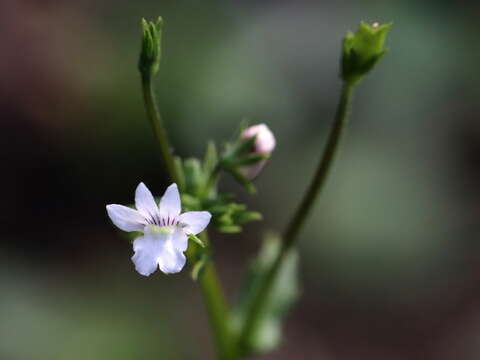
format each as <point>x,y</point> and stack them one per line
<point>264,144</point>
<point>265,141</point>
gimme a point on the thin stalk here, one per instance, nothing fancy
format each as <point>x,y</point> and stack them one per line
<point>217,309</point>
<point>324,167</point>
<point>157,124</point>
<point>210,286</point>
<point>291,233</point>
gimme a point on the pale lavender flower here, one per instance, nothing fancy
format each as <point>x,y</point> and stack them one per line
<point>264,144</point>
<point>165,230</point>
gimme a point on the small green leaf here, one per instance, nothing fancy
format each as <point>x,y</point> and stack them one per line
<point>159,24</point>
<point>244,146</point>
<point>196,239</point>
<point>252,159</point>
<point>194,177</point>
<point>210,160</point>
<point>225,219</point>
<point>247,216</point>
<point>230,229</point>
<point>218,209</point>
<point>236,206</point>
<point>284,293</point>
<point>227,215</point>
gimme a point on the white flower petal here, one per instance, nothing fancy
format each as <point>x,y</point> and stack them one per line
<point>170,205</point>
<point>171,261</point>
<point>145,263</point>
<point>195,221</point>
<point>126,219</point>
<point>179,239</point>
<point>145,202</point>
<point>148,249</point>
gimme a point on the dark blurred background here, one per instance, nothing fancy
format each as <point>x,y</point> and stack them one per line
<point>390,264</point>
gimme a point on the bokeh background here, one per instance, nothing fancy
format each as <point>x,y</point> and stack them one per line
<point>390,256</point>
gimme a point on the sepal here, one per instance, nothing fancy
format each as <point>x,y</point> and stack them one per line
<point>196,240</point>
<point>362,50</point>
<point>150,52</point>
<point>199,191</point>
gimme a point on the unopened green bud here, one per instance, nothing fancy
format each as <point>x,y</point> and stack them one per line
<point>362,50</point>
<point>150,53</point>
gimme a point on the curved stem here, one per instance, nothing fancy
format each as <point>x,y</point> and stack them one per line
<point>157,124</point>
<point>291,233</point>
<point>324,167</point>
<point>217,308</point>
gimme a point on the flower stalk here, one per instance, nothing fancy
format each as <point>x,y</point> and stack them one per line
<point>324,167</point>
<point>211,288</point>
<point>159,130</point>
<point>217,308</point>
<point>291,233</point>
<point>360,52</point>
<point>148,65</point>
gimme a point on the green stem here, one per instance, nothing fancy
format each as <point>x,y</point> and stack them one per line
<point>217,308</point>
<point>291,233</point>
<point>157,124</point>
<point>324,167</point>
<point>209,282</point>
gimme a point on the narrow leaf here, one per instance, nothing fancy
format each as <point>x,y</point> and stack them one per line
<point>196,239</point>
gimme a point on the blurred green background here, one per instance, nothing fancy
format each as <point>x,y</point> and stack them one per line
<point>390,264</point>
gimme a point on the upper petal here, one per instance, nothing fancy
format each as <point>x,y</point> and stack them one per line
<point>125,218</point>
<point>195,221</point>
<point>170,202</point>
<point>145,202</point>
<point>171,260</point>
<point>148,249</point>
